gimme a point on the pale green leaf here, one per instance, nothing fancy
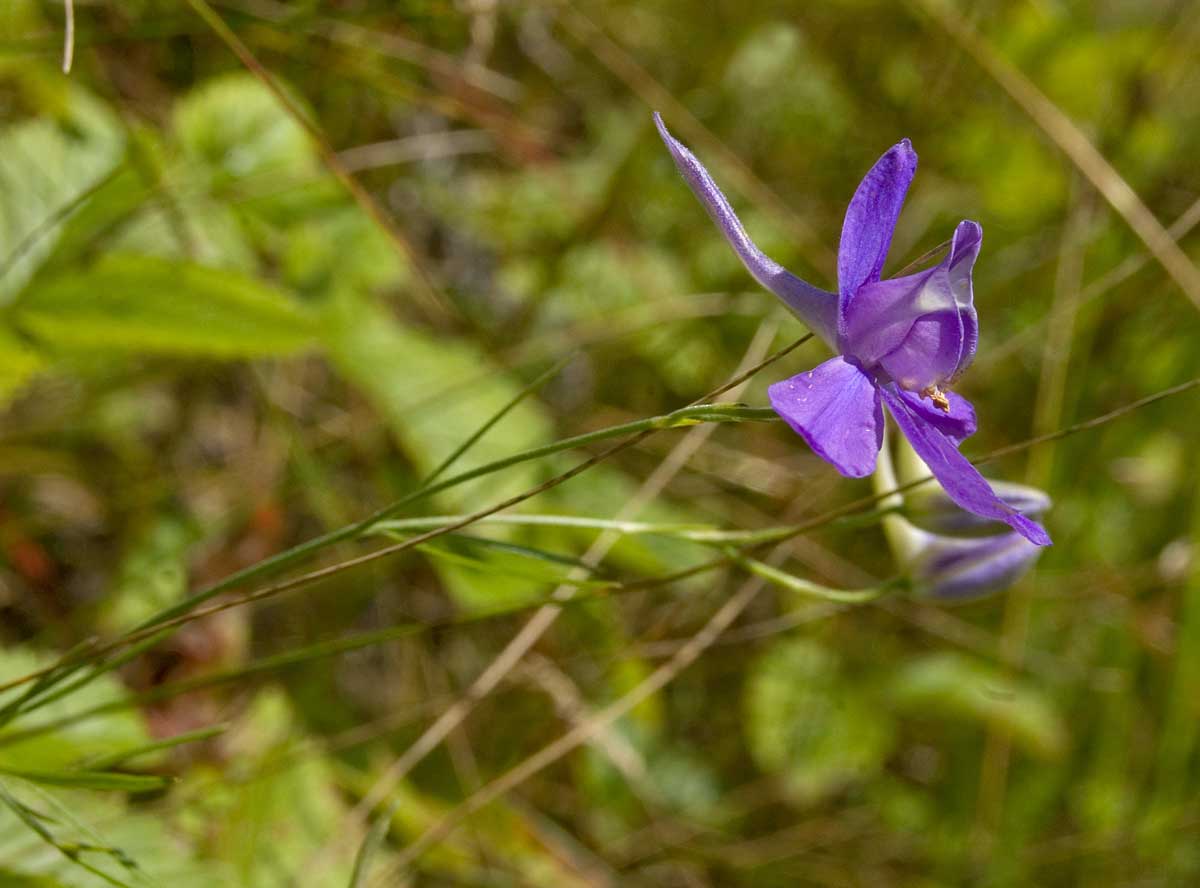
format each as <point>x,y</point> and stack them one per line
<point>234,126</point>
<point>809,725</point>
<point>71,743</point>
<point>141,304</point>
<point>47,164</point>
<point>957,687</point>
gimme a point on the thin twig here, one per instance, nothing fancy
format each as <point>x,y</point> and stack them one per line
<point>547,614</point>
<point>582,733</point>
<point>68,35</point>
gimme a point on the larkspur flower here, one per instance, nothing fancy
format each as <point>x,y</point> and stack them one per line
<point>947,553</point>
<point>900,342</point>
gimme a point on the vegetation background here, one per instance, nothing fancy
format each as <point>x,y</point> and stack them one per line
<point>233,321</point>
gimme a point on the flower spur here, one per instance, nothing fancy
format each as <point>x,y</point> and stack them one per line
<point>901,342</point>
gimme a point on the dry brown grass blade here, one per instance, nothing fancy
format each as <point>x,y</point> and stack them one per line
<point>1073,143</point>
<point>585,731</point>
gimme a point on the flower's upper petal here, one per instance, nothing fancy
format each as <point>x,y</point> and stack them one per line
<point>964,250</point>
<point>921,328</point>
<point>816,307</point>
<point>960,262</point>
<point>871,218</point>
<point>959,569</point>
<point>957,424</point>
<point>836,409</point>
<point>961,480</point>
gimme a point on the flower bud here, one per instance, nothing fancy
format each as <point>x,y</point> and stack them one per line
<point>953,555</point>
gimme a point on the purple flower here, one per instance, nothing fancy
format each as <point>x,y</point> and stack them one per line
<point>901,342</point>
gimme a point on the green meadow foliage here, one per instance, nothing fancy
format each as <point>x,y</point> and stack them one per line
<point>213,354</point>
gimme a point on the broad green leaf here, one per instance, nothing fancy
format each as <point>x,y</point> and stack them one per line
<point>140,304</point>
<point>46,164</point>
<point>811,726</point>
<point>236,128</point>
<point>954,686</point>
<point>339,249</point>
<point>434,392</point>
<point>72,743</point>
<point>408,375</point>
<point>490,559</point>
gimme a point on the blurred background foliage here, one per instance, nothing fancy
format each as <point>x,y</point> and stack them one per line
<point>210,352</point>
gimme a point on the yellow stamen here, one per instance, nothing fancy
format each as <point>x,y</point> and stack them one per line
<point>937,396</point>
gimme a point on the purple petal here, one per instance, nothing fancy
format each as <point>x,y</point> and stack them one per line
<point>835,408</point>
<point>930,354</point>
<point>929,508</point>
<point>921,328</point>
<point>969,568</point>
<point>957,425</point>
<point>883,312</point>
<point>871,218</point>
<point>817,308</point>
<point>964,250</point>
<point>961,480</point>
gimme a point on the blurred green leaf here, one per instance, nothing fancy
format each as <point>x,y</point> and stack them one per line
<point>132,846</point>
<point>18,362</point>
<point>806,723</point>
<point>70,743</point>
<point>46,165</point>
<point>234,126</point>
<point>269,821</point>
<point>954,686</point>
<point>149,305</point>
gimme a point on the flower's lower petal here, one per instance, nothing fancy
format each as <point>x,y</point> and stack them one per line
<point>959,569</point>
<point>930,509</point>
<point>836,409</point>
<point>816,307</point>
<point>961,480</point>
<point>958,424</point>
